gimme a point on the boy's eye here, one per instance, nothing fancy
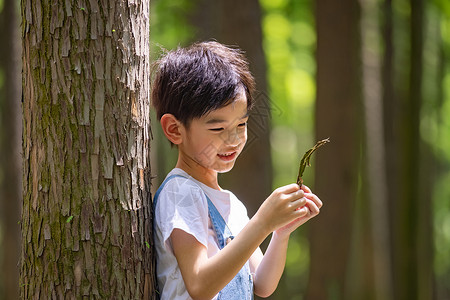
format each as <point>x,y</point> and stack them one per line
<point>217,129</point>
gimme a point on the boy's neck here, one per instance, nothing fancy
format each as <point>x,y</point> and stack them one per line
<point>205,176</point>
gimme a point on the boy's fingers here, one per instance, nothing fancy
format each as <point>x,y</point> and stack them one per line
<point>306,189</point>
<point>303,211</point>
<point>313,208</point>
<point>299,194</point>
<point>314,198</point>
<point>290,188</point>
<point>295,198</point>
<point>299,203</point>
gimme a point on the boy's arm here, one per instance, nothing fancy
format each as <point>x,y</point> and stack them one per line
<point>204,277</point>
<point>269,267</point>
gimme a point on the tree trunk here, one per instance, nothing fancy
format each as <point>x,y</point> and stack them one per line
<point>413,231</point>
<point>234,22</point>
<point>391,111</point>
<point>86,224</point>
<point>10,195</point>
<point>376,183</point>
<point>338,110</point>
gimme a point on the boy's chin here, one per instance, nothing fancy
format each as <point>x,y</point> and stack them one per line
<point>225,169</point>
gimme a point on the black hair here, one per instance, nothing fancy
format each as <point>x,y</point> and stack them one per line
<point>192,81</point>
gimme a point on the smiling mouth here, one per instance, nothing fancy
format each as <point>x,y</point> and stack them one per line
<point>227,156</point>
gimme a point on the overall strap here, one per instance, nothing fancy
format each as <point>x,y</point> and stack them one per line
<point>155,198</point>
<point>219,224</point>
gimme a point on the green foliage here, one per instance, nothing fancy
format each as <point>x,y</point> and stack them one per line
<point>289,43</point>
<point>441,145</point>
<point>169,25</point>
<point>443,6</point>
<point>435,130</point>
<point>442,230</point>
<point>295,278</point>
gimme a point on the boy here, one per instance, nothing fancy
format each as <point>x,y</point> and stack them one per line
<point>207,247</point>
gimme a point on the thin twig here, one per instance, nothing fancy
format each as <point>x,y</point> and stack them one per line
<point>305,160</point>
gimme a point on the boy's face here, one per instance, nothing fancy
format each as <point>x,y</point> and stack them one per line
<point>215,140</point>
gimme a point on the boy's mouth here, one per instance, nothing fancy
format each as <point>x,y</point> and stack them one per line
<point>227,156</point>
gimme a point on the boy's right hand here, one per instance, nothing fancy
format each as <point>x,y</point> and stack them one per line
<point>283,206</point>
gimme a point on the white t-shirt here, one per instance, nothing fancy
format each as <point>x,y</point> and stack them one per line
<point>182,204</point>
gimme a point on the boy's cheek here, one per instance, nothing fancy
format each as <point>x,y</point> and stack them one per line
<point>207,154</point>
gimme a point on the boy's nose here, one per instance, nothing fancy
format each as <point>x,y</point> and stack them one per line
<point>232,138</point>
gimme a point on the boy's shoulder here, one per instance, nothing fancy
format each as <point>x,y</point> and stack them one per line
<point>180,193</point>
<point>179,177</point>
<point>179,182</point>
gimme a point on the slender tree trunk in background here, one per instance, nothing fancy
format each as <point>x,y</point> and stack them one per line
<point>376,183</point>
<point>234,22</point>
<point>407,162</point>
<point>423,195</point>
<point>338,111</point>
<point>86,224</point>
<point>10,187</point>
<point>413,261</point>
<point>391,111</point>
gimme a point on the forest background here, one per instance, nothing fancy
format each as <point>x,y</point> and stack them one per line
<point>373,75</point>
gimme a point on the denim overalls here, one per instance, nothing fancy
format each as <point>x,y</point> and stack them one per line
<point>241,286</point>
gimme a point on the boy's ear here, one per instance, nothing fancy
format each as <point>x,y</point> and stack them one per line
<point>171,128</point>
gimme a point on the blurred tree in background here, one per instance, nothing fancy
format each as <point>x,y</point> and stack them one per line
<point>338,115</point>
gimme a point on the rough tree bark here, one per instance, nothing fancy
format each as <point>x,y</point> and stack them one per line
<point>86,224</point>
